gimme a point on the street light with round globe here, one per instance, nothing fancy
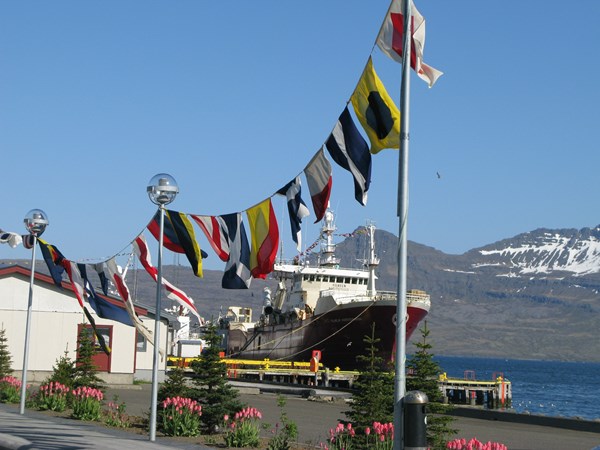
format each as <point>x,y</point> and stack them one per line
<point>36,222</point>
<point>162,190</point>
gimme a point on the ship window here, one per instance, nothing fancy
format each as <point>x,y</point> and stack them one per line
<point>347,280</point>
<point>312,278</point>
<point>354,280</point>
<point>319,278</point>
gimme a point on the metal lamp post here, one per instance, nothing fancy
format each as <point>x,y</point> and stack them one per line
<point>162,190</point>
<point>36,222</point>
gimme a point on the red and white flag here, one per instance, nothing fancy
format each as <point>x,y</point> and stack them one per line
<point>318,177</point>
<point>140,247</point>
<point>215,229</point>
<point>113,273</point>
<point>391,40</point>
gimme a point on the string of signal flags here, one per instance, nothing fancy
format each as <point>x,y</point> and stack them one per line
<point>246,259</point>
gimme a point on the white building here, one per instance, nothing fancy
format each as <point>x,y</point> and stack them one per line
<point>55,323</point>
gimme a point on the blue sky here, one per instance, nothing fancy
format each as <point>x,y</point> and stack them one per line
<point>234,99</point>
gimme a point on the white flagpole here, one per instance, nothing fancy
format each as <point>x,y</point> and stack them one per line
<point>400,377</point>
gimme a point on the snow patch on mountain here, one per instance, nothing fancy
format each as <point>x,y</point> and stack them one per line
<point>544,253</point>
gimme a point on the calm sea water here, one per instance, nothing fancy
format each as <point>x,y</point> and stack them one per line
<point>552,388</point>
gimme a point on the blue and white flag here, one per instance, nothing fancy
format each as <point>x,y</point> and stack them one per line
<point>296,208</point>
<point>237,270</point>
<point>349,149</point>
<point>101,306</point>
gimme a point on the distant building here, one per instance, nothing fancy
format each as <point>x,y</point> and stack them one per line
<point>56,321</point>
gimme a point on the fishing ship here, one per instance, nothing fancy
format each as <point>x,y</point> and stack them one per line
<point>322,310</point>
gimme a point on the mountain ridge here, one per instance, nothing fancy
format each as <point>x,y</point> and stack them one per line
<point>533,296</point>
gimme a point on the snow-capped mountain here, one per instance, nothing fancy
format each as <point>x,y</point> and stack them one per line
<point>533,296</point>
<point>544,251</point>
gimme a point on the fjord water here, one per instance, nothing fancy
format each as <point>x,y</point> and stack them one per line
<point>551,388</point>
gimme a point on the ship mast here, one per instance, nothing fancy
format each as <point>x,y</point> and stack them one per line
<point>373,260</point>
<point>327,257</point>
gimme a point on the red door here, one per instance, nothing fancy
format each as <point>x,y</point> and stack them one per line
<point>100,358</point>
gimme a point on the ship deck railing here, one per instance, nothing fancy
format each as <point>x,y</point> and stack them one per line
<point>360,295</point>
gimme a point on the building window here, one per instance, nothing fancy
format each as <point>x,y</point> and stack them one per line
<point>140,342</point>
<point>104,333</point>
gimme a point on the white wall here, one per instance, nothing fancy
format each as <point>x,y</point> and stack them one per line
<point>56,314</point>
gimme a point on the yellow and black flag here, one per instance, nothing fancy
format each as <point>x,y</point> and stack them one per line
<point>179,237</point>
<point>376,111</point>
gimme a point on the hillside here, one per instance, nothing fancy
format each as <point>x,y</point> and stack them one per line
<point>533,296</point>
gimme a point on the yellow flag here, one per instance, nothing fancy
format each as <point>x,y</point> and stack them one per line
<point>376,111</point>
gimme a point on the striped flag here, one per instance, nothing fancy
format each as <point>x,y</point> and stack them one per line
<point>348,148</point>
<point>227,236</point>
<point>216,231</point>
<point>318,177</point>
<point>140,247</point>
<point>112,273</point>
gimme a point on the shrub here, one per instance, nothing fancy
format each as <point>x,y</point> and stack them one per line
<point>63,371</point>
<point>181,416</point>
<point>175,385</point>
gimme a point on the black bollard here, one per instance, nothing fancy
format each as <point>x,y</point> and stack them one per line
<point>415,421</point>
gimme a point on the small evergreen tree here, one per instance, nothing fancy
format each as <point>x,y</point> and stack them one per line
<point>373,391</point>
<point>63,371</point>
<point>425,372</point>
<point>86,372</point>
<point>212,391</point>
<point>5,357</point>
<point>175,385</point>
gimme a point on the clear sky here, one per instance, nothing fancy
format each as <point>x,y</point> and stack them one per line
<point>234,98</point>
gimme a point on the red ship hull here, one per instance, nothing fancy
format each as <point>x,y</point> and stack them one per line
<point>339,335</point>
